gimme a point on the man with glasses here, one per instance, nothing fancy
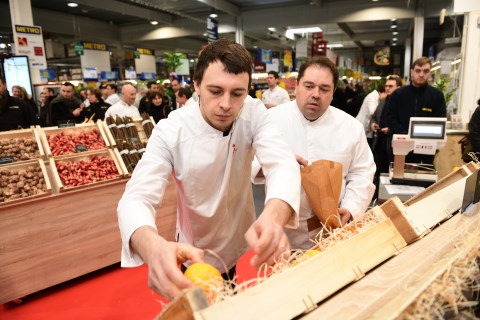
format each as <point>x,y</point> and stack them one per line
<point>419,99</point>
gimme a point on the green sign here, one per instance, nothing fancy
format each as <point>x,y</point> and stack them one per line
<point>78,49</point>
<point>136,54</point>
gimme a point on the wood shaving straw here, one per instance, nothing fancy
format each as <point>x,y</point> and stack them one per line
<point>455,293</point>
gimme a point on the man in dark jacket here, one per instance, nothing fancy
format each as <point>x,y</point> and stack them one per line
<point>14,113</point>
<point>65,107</point>
<point>418,99</point>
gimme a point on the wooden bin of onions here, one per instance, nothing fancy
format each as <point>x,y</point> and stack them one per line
<point>20,145</point>
<point>86,169</point>
<point>71,140</point>
<point>298,284</point>
<point>128,129</point>
<point>23,181</point>
<point>418,215</point>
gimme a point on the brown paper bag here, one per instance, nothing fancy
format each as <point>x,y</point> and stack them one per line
<point>322,182</point>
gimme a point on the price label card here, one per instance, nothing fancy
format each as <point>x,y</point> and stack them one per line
<point>133,139</point>
<point>5,160</point>
<point>81,148</point>
<point>66,124</point>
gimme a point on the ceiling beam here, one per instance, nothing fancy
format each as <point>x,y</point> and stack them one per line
<point>128,10</point>
<point>224,6</point>
<point>346,29</point>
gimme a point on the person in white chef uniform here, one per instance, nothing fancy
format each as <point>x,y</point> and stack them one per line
<point>314,130</point>
<point>208,147</point>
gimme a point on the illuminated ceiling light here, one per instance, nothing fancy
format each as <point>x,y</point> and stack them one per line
<point>393,19</point>
<point>213,15</point>
<point>3,46</point>
<point>393,26</point>
<point>272,29</point>
<point>335,45</point>
<point>394,44</point>
<point>394,33</point>
<point>153,22</point>
<point>394,39</point>
<point>374,0</point>
<point>305,30</point>
<point>456,61</point>
<point>72,4</point>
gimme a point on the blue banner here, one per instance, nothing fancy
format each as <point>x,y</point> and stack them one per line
<point>212,29</point>
<point>47,73</point>
<point>147,76</point>
<point>109,75</point>
<point>265,56</point>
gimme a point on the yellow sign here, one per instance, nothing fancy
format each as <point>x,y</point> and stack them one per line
<point>95,46</point>
<point>27,29</point>
<point>145,51</point>
<point>287,58</point>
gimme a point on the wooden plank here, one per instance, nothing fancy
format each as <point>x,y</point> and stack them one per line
<point>183,306</point>
<point>50,240</point>
<point>386,291</point>
<point>300,288</point>
<point>394,209</point>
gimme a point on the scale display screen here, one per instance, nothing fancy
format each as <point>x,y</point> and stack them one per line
<point>427,130</point>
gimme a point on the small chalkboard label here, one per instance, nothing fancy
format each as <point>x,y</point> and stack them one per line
<point>81,148</point>
<point>133,139</point>
<point>5,160</point>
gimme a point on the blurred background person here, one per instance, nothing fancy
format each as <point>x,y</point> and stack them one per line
<point>97,106</point>
<point>158,107</point>
<point>182,95</point>
<point>14,113</point>
<point>20,93</point>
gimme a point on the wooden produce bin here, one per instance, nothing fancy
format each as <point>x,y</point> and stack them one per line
<point>298,289</point>
<point>45,132</point>
<point>85,156</point>
<point>137,121</point>
<point>388,290</point>
<point>32,133</point>
<point>22,167</point>
<point>49,240</point>
<point>418,215</point>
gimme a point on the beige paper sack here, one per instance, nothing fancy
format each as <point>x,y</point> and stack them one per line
<point>322,182</point>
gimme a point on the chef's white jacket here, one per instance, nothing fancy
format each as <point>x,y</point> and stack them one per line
<point>212,175</point>
<point>276,96</point>
<point>121,109</point>
<point>335,136</point>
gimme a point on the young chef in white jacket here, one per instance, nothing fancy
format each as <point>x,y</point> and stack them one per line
<point>208,147</point>
<point>314,130</point>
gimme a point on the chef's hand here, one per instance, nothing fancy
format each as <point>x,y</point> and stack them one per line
<point>385,130</point>
<point>162,258</point>
<point>345,215</point>
<point>269,105</point>
<point>301,161</point>
<point>266,236</point>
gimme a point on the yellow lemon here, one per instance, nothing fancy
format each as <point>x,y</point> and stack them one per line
<point>205,276</point>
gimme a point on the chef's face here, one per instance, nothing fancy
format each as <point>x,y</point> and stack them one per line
<point>420,74</point>
<point>314,92</point>
<point>221,95</point>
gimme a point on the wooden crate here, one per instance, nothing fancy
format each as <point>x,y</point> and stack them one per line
<point>22,166</point>
<point>299,289</point>
<point>32,133</point>
<point>418,215</point>
<point>85,156</point>
<point>45,132</point>
<point>138,121</point>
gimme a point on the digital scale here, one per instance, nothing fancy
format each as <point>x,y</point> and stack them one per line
<point>425,136</point>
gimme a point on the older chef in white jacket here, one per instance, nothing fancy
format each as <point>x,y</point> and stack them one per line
<point>208,147</point>
<point>315,130</point>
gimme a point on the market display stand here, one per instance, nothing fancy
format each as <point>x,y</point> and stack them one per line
<point>60,237</point>
<point>68,232</point>
<point>387,290</point>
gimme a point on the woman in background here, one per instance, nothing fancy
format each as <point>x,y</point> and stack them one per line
<point>97,107</point>
<point>158,108</point>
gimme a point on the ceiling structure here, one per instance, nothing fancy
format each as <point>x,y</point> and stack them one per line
<point>356,25</point>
